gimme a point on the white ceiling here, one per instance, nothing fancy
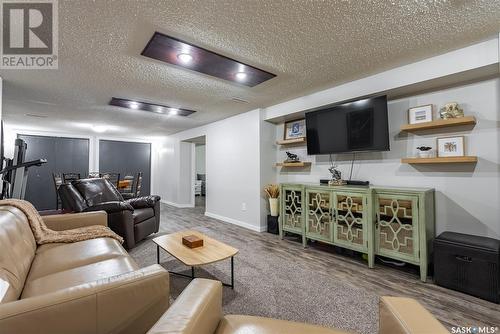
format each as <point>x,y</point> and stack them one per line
<point>310,45</point>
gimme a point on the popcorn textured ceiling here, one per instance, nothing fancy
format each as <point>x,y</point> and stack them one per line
<point>310,45</point>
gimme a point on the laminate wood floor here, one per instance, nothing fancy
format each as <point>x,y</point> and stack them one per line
<point>278,278</point>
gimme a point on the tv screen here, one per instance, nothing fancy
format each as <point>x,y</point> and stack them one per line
<point>350,127</point>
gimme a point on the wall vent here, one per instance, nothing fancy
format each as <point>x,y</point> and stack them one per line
<point>239,100</point>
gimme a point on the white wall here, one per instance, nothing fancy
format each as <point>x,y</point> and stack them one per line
<point>232,169</point>
<point>268,173</point>
<point>200,159</point>
<point>467,196</point>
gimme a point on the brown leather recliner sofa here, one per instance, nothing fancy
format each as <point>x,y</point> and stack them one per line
<point>198,310</point>
<point>133,219</point>
<point>90,286</point>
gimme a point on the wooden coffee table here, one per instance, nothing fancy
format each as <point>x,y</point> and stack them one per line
<point>211,251</point>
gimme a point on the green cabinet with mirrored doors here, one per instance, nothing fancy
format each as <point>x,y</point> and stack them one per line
<point>396,223</point>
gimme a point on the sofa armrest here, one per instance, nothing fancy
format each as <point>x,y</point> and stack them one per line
<point>70,221</point>
<point>127,303</point>
<point>143,202</point>
<point>399,315</point>
<point>198,310</point>
<point>110,207</point>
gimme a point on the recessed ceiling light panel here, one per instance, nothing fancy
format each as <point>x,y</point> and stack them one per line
<point>174,51</point>
<point>151,107</point>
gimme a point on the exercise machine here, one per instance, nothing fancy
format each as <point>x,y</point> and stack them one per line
<point>14,171</point>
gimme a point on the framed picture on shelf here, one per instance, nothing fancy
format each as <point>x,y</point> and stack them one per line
<point>451,147</point>
<point>295,129</point>
<point>420,114</point>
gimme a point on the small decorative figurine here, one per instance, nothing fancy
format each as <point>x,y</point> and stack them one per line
<point>292,157</point>
<point>451,110</point>
<point>336,176</point>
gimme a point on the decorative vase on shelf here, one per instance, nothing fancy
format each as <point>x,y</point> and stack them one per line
<point>424,152</point>
<point>273,205</point>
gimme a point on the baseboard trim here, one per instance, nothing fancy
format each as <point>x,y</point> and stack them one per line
<point>177,205</point>
<point>235,222</point>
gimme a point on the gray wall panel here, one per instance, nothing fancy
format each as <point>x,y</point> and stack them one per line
<point>64,155</point>
<point>126,158</point>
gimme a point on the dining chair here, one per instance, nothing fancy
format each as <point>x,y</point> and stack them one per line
<point>114,178</point>
<point>70,177</point>
<point>138,184</point>
<point>58,180</point>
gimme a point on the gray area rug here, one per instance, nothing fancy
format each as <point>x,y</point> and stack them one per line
<point>273,278</point>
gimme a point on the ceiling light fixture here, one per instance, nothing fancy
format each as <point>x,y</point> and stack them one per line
<point>100,128</point>
<point>185,58</point>
<point>241,76</point>
<point>177,52</point>
<point>151,107</point>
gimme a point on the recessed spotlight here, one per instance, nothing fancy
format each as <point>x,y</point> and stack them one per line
<point>241,76</point>
<point>174,111</point>
<point>185,58</point>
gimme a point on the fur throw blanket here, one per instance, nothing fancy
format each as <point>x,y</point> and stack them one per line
<point>44,235</point>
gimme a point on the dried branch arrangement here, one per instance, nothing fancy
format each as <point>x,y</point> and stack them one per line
<point>272,190</point>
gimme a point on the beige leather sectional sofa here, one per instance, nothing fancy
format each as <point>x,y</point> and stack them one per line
<point>198,310</point>
<point>91,286</point>
<point>95,287</point>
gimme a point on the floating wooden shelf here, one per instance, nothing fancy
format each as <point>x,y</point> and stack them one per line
<point>293,164</point>
<point>440,123</point>
<point>444,160</point>
<point>292,141</point>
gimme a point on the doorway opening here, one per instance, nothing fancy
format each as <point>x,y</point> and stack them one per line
<point>200,186</point>
<point>198,172</point>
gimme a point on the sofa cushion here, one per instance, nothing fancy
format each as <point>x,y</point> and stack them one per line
<point>231,324</point>
<point>141,215</point>
<point>79,275</point>
<point>53,258</point>
<point>18,248</point>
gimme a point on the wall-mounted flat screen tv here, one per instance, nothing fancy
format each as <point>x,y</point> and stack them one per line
<point>356,126</point>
